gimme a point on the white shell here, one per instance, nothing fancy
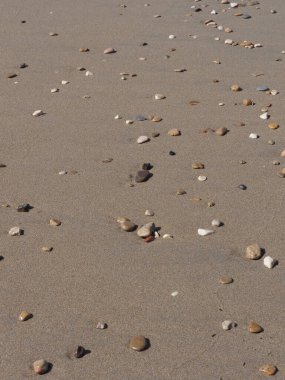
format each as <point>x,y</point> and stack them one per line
<point>142,139</point>
<point>38,113</point>
<point>204,232</point>
<point>15,231</point>
<point>117,117</point>
<point>234,5</point>
<point>258,45</point>
<point>253,136</point>
<point>264,116</point>
<point>273,92</point>
<point>269,262</point>
<point>228,325</point>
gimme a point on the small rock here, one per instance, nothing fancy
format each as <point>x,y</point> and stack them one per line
<point>148,239</point>
<point>64,82</point>
<point>222,131</point>
<point>25,315</point>
<point>24,207</point>
<point>205,232</point>
<point>156,119</point>
<point>41,367</point>
<point>23,65</point>
<point>253,136</point>
<point>16,231</point>
<point>138,343</point>
<point>264,116</point>
<point>171,153</point>
<point>167,236</point>
<point>202,178</point>
<point>38,113</point>
<point>228,325</point>
<point>149,212</point>
<point>271,142</point>
<point>228,41</point>
<point>83,50</point>
<point>216,223</point>
<point>226,280</point>
<point>62,172</point>
<point>142,176</point>
<point>242,187</point>
<point>88,73</point>
<point>142,139</point>
<point>101,326</point>
<point>11,75</point>
<point>159,96</point>
<point>235,88</point>
<point>171,36</point>
<point>180,192</point>
<point>146,230</point>
<point>53,90</point>
<point>247,102</point>
<point>77,352</point>
<point>253,252</point>
<point>155,134</point>
<point>269,262</point>
<point>198,165</point>
<point>254,328</point>
<point>273,125</point>
<point>174,132</point>
<point>53,34</point>
<point>128,226</point>
<point>109,50</point>
<point>54,222</point>
<point>47,249</point>
<point>262,88</point>
<point>268,369</point>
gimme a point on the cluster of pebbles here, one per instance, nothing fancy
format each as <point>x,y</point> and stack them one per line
<point>148,232</point>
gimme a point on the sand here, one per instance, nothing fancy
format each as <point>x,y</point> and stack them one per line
<point>96,272</point>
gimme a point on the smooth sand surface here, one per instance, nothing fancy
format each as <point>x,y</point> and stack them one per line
<point>98,272</point>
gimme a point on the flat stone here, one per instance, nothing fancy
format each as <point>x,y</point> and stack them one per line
<point>142,139</point>
<point>268,369</point>
<point>41,367</point>
<point>138,343</point>
<point>146,230</point>
<point>38,113</point>
<point>205,232</point>
<point>11,75</point>
<point>25,315</point>
<point>149,238</point>
<point>262,88</point>
<point>198,165</point>
<point>159,96</point>
<point>171,153</point>
<point>242,187</point>
<point>216,223</point>
<point>107,160</point>
<point>282,154</point>
<point>253,252</point>
<point>222,131</point>
<point>146,166</point>
<point>101,326</point>
<point>128,226</point>
<point>271,142</point>
<point>156,119</point>
<point>23,65</point>
<point>174,132</point>
<point>194,102</point>
<point>180,192</point>
<point>226,280</point>
<point>16,231</point>
<point>142,176</point>
<point>254,328</point>
<point>55,222</point>
<point>110,50</point>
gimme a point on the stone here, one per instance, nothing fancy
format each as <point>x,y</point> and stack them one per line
<point>282,154</point>
<point>268,369</point>
<point>23,65</point>
<point>269,262</point>
<point>253,252</point>
<point>101,326</point>
<point>174,132</point>
<point>55,222</point>
<point>83,50</point>
<point>142,139</point>
<point>171,36</point>
<point>205,232</point>
<point>235,88</point>
<point>53,34</point>
<point>253,136</point>
<point>228,41</point>
<point>11,75</point>
<point>77,352</point>
<point>271,142</point>
<point>171,153</point>
<point>53,90</point>
<point>273,125</point>
<point>38,113</point>
<point>194,102</point>
<point>242,187</point>
<point>25,315</point>
<point>146,230</point>
<point>149,212</point>
<point>167,236</point>
<point>262,88</point>
<point>47,249</point>
<point>128,226</point>
<point>226,280</point>
<point>222,131</point>
<point>156,119</point>
<point>159,96</point>
<point>142,176</point>
<point>109,50</point>
<point>228,325</point>
<point>216,223</point>
<point>64,82</point>
<point>24,207</point>
<point>247,102</point>
<point>254,328</point>
<point>16,231</point>
<point>211,204</point>
<point>138,343</point>
<point>41,367</point>
<point>264,116</point>
<point>198,165</point>
<point>202,178</point>
<point>180,192</point>
<point>155,134</point>
<point>149,238</point>
<point>88,73</point>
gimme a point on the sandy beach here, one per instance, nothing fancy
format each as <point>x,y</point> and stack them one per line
<point>78,162</point>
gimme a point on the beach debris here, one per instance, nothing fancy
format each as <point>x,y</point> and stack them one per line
<point>253,136</point>
<point>198,165</point>
<point>202,178</point>
<point>38,113</point>
<point>25,315</point>
<point>205,232</point>
<point>142,139</point>
<point>159,96</point>
<point>55,222</point>
<point>268,369</point>
<point>47,249</point>
<point>254,328</point>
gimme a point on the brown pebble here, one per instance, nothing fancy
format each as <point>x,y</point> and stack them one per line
<point>247,102</point>
<point>54,222</point>
<point>41,367</point>
<point>148,239</point>
<point>254,328</point>
<point>11,75</point>
<point>25,315</point>
<point>273,125</point>
<point>222,131</point>
<point>138,343</point>
<point>174,132</point>
<point>128,226</point>
<point>268,369</point>
<point>83,50</point>
<point>198,165</point>
<point>226,280</point>
<point>253,252</point>
<point>235,88</point>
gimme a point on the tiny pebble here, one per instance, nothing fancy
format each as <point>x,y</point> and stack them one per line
<point>16,231</point>
<point>174,294</point>
<point>226,280</point>
<point>38,113</point>
<point>138,343</point>
<point>25,315</point>
<point>269,262</point>
<point>202,178</point>
<point>101,326</point>
<point>253,252</point>
<point>149,212</point>
<point>254,328</point>
<point>216,223</point>
<point>142,139</point>
<point>228,325</point>
<point>54,222</point>
<point>41,367</point>
<point>253,136</point>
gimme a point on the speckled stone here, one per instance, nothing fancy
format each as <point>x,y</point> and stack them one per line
<point>41,367</point>
<point>253,252</point>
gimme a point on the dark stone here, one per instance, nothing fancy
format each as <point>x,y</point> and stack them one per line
<point>23,65</point>
<point>24,207</point>
<point>242,187</point>
<point>142,176</point>
<point>155,134</point>
<point>147,166</point>
<point>171,153</point>
<point>78,352</point>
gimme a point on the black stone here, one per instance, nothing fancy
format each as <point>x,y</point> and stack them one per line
<point>171,153</point>
<point>23,65</point>
<point>24,207</point>
<point>242,187</point>
<point>142,176</point>
<point>146,166</point>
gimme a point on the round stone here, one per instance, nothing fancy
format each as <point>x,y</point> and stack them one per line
<point>174,132</point>
<point>271,142</point>
<point>226,280</point>
<point>202,178</point>
<point>77,352</point>
<point>222,131</point>
<point>198,165</point>
<point>216,223</point>
<point>41,367</point>
<point>23,65</point>
<point>128,226</point>
<point>253,136</point>
<point>138,343</point>
<point>180,192</point>
<point>247,102</point>
<point>109,50</point>
<point>55,222</point>
<point>254,328</point>
<point>235,88</point>
<point>253,252</point>
<point>268,369</point>
<point>25,315</point>
<point>142,176</point>
<point>171,153</point>
<point>146,230</point>
<point>273,125</point>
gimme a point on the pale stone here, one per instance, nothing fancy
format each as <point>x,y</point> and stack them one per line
<point>205,232</point>
<point>25,315</point>
<point>16,231</point>
<point>174,132</point>
<point>149,213</point>
<point>228,325</point>
<point>38,113</point>
<point>146,230</point>
<point>273,125</point>
<point>202,178</point>
<point>268,369</point>
<point>41,367</point>
<point>253,136</point>
<point>64,82</point>
<point>253,252</point>
<point>128,226</point>
<point>159,96</point>
<point>269,262</point>
<point>226,280</point>
<point>54,222</point>
<point>216,223</point>
<point>53,90</point>
<point>264,116</point>
<point>142,139</point>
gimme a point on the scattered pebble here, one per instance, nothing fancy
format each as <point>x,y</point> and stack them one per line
<point>38,113</point>
<point>228,325</point>
<point>159,96</point>
<point>205,232</point>
<point>142,139</point>
<point>202,178</point>
<point>269,262</point>
<point>16,231</point>
<point>53,90</point>
<point>253,252</point>
<point>216,223</point>
<point>110,50</point>
<point>138,343</point>
<point>198,165</point>
<point>268,369</point>
<point>128,226</point>
<point>77,352</point>
<point>149,212</point>
<point>226,280</point>
<point>54,222</point>
<point>41,367</point>
<point>142,176</point>
<point>101,326</point>
<point>253,136</point>
<point>273,125</point>
<point>254,328</point>
<point>236,88</point>
<point>25,315</point>
<point>174,132</point>
<point>146,230</point>
<point>47,249</point>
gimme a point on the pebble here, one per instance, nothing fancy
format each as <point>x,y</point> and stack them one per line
<point>268,369</point>
<point>128,226</point>
<point>282,154</point>
<point>205,232</point>
<point>54,222</point>
<point>253,136</point>
<point>77,352</point>
<point>156,119</point>
<point>228,41</point>
<point>41,367</point>
<point>62,172</point>
<point>16,231</point>
<point>171,153</point>
<point>24,207</point>
<point>83,50</point>
<point>253,252</point>
<point>140,118</point>
<point>53,34</point>
<point>242,187</point>
<point>142,139</point>
<point>174,294</point>
<point>222,131</point>
<point>198,165</point>
<point>155,134</point>
<point>264,116</point>
<point>23,65</point>
<point>167,236</point>
<point>180,192</point>
<point>53,90</point>
<point>216,223</point>
<point>47,249</point>
<point>11,75</point>
<point>88,73</point>
<point>226,280</point>
<point>142,176</point>
<point>269,262</point>
<point>271,142</point>
<point>101,326</point>
<point>262,88</point>
<point>174,132</point>
<point>146,230</point>
<point>202,178</point>
<point>247,102</point>
<point>171,36</point>
<point>228,325</point>
<point>149,212</point>
<point>64,82</point>
<point>138,343</point>
<point>109,50</point>
<point>159,96</point>
<point>25,315</point>
<point>121,219</point>
<point>254,328</point>
<point>38,113</point>
<point>128,122</point>
<point>236,88</point>
<point>273,125</point>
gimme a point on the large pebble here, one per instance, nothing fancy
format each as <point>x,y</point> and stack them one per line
<point>254,328</point>
<point>174,132</point>
<point>41,367</point>
<point>128,226</point>
<point>253,252</point>
<point>138,343</point>
<point>146,230</point>
<point>109,50</point>
<point>269,262</point>
<point>228,325</point>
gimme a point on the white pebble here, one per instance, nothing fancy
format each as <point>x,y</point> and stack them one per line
<point>228,41</point>
<point>159,96</point>
<point>167,236</point>
<point>171,36</point>
<point>88,73</point>
<point>202,178</point>
<point>129,122</point>
<point>216,223</point>
<point>269,262</point>
<point>221,104</point>
<point>142,139</point>
<point>117,117</point>
<point>273,92</point>
<point>174,294</point>
<point>220,27</point>
<point>15,231</point>
<point>149,213</point>
<point>213,12</point>
<point>204,232</point>
<point>253,136</point>
<point>228,325</point>
<point>234,5</point>
<point>264,116</point>
<point>63,172</point>
<point>217,38</point>
<point>64,82</point>
<point>156,234</point>
<point>38,113</point>
<point>258,45</point>
<point>54,90</point>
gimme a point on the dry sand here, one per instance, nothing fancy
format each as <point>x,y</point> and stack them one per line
<point>98,272</point>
